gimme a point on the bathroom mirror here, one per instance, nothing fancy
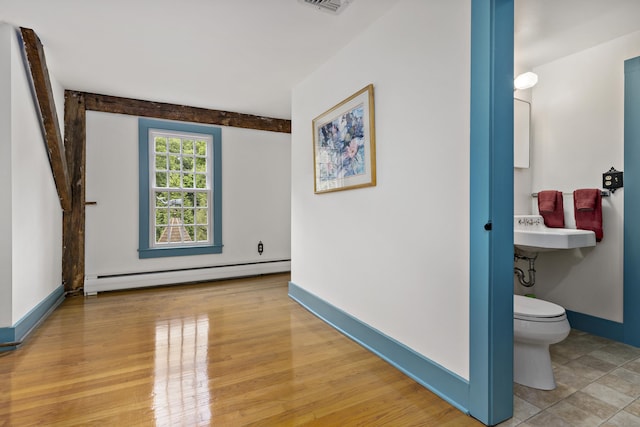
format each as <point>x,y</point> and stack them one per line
<point>521,118</point>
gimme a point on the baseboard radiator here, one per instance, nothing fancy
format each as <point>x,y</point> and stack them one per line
<point>114,282</point>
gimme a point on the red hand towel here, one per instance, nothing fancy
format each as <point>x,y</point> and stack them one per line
<point>547,201</point>
<point>551,207</point>
<point>585,199</point>
<point>588,218</point>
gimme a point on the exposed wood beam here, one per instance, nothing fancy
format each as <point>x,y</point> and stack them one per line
<point>48,116</point>
<point>73,230</point>
<point>161,110</point>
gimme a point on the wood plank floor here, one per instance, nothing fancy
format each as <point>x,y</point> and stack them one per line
<point>228,353</point>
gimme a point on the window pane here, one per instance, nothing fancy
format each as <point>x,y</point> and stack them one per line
<point>161,144</point>
<point>159,232</point>
<point>161,198</point>
<point>161,179</point>
<point>201,216</point>
<point>180,186</point>
<point>174,180</point>
<point>161,162</point>
<point>201,234</point>
<point>188,199</point>
<point>175,198</point>
<point>201,148</point>
<point>201,164</point>
<point>201,200</point>
<point>188,216</point>
<point>201,181</point>
<point>187,164</point>
<point>161,217</point>
<point>190,231</point>
<point>175,214</point>
<point>174,163</point>
<point>187,146</point>
<point>174,145</point>
<point>187,180</point>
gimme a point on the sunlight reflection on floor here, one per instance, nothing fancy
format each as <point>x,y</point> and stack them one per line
<point>181,384</point>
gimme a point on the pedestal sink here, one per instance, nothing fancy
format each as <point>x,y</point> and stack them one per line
<point>531,235</point>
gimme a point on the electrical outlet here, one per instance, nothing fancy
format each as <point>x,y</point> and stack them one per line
<point>612,180</point>
<point>260,247</point>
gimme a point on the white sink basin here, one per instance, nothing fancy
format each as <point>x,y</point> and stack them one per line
<point>531,235</point>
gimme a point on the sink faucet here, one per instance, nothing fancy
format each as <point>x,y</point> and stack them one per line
<point>529,221</point>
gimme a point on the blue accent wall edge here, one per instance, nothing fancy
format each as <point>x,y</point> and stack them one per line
<point>631,192</point>
<point>429,374</point>
<point>596,325</point>
<point>32,319</point>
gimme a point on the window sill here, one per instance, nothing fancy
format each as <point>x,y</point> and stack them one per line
<point>184,251</point>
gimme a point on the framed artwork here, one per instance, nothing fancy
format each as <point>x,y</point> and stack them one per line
<point>344,149</point>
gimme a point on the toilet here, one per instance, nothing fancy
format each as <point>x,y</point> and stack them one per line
<point>536,325</point>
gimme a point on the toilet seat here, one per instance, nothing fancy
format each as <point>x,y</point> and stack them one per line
<point>535,310</point>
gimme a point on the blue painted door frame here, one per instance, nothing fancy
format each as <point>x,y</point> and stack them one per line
<point>491,257</point>
<point>631,325</point>
<point>491,212</point>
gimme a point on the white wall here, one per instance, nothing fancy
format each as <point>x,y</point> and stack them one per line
<point>6,289</point>
<point>395,256</point>
<point>256,198</point>
<point>33,213</point>
<point>578,121</point>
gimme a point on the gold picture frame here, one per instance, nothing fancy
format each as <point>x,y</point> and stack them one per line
<point>344,145</point>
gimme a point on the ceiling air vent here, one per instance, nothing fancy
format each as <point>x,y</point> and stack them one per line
<point>331,6</point>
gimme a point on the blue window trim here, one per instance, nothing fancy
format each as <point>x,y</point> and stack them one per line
<point>144,250</point>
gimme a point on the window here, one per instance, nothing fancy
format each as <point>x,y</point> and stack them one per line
<point>180,189</point>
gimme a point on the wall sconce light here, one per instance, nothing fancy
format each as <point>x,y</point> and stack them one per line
<point>525,80</point>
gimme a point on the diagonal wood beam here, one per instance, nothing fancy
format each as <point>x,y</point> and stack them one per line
<point>162,110</point>
<point>48,117</point>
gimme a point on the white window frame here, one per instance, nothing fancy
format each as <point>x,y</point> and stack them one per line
<point>153,188</point>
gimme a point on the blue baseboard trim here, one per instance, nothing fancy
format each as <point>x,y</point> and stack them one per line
<point>596,325</point>
<point>23,327</point>
<point>429,374</point>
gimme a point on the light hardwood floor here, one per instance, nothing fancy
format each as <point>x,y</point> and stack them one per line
<point>228,353</point>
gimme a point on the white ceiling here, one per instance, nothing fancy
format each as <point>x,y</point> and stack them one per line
<point>246,55</point>
<point>235,55</point>
<point>546,30</point>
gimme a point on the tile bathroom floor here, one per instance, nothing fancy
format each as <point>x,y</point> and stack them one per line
<point>598,384</point>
